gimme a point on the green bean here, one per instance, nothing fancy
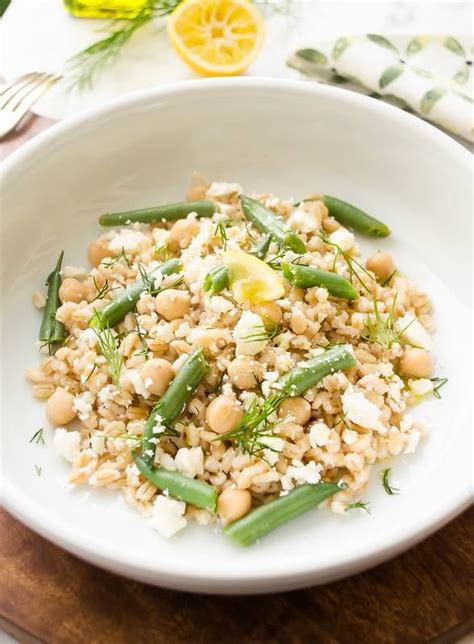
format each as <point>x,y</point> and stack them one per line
<point>352,217</point>
<point>308,276</point>
<point>268,223</point>
<point>216,280</point>
<point>307,374</point>
<point>115,311</point>
<point>266,518</point>
<point>53,333</point>
<point>198,493</point>
<point>168,212</point>
<point>173,401</point>
<point>262,247</point>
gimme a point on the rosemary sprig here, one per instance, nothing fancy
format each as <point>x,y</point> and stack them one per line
<point>38,437</point>
<point>360,505</point>
<point>437,384</point>
<point>253,427</point>
<point>109,348</point>
<point>384,474</point>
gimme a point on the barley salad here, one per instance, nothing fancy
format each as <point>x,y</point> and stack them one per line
<point>233,359</point>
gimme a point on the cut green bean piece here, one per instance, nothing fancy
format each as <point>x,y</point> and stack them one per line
<point>308,276</point>
<point>266,518</point>
<point>307,374</point>
<point>173,401</point>
<point>198,493</point>
<point>216,280</point>
<point>53,333</point>
<point>352,217</point>
<point>116,310</point>
<point>167,212</point>
<point>262,247</point>
<point>270,224</point>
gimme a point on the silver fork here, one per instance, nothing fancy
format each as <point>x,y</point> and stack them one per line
<point>17,97</point>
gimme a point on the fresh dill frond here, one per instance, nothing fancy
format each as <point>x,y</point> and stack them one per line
<point>264,334</point>
<point>162,252</point>
<point>108,342</point>
<point>94,367</point>
<point>101,291</point>
<point>389,278</point>
<point>85,67</point>
<point>122,255</point>
<point>149,282</point>
<point>217,389</point>
<point>359,505</point>
<point>221,232</point>
<point>38,437</point>
<point>351,264</point>
<point>437,384</point>
<point>384,475</point>
<point>38,469</point>
<point>382,329</point>
<point>253,428</point>
<point>145,350</point>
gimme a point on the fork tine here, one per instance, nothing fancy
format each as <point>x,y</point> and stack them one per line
<point>19,92</point>
<point>16,84</point>
<point>29,98</point>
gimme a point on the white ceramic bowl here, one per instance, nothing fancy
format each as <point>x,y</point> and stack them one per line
<point>292,138</point>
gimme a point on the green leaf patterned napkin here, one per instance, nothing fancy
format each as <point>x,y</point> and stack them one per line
<point>427,74</point>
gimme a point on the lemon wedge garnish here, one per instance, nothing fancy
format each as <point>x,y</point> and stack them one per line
<point>216,37</point>
<point>251,280</point>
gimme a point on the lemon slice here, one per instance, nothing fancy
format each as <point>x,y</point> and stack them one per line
<point>251,280</point>
<point>216,37</point>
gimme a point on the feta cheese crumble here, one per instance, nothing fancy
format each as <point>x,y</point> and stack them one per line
<point>413,332</point>
<point>359,410</point>
<point>67,443</point>
<point>190,461</point>
<point>167,516</point>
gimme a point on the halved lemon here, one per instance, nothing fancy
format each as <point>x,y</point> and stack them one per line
<point>251,280</point>
<point>216,37</point>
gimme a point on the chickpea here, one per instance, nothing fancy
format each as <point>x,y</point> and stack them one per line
<point>59,408</point>
<point>295,294</point>
<point>270,313</point>
<point>97,251</point>
<point>298,323</point>
<point>244,372</point>
<point>223,414</point>
<point>183,232</point>
<point>71,290</point>
<point>297,408</point>
<point>172,304</point>
<point>416,363</point>
<point>160,372</point>
<point>233,504</point>
<point>196,193</point>
<point>381,264</point>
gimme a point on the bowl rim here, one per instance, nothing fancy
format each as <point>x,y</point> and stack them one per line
<point>171,573</point>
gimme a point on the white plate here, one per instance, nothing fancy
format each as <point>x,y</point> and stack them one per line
<point>291,138</point>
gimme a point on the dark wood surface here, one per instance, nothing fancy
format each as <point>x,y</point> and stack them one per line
<point>46,594</point>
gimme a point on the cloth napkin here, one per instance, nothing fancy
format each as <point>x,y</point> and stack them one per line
<point>425,74</point>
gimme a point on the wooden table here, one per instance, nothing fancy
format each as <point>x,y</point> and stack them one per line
<point>425,595</point>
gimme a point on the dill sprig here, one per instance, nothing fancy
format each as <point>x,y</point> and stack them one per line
<point>253,428</point>
<point>264,334</point>
<point>149,282</point>
<point>221,232</point>
<point>351,264</point>
<point>142,335</point>
<point>38,437</point>
<point>359,505</point>
<point>122,255</point>
<point>84,67</point>
<point>162,252</point>
<point>384,475</point>
<point>109,347</point>
<point>101,291</point>
<point>382,329</point>
<point>38,469</point>
<point>437,384</point>
<point>94,367</point>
